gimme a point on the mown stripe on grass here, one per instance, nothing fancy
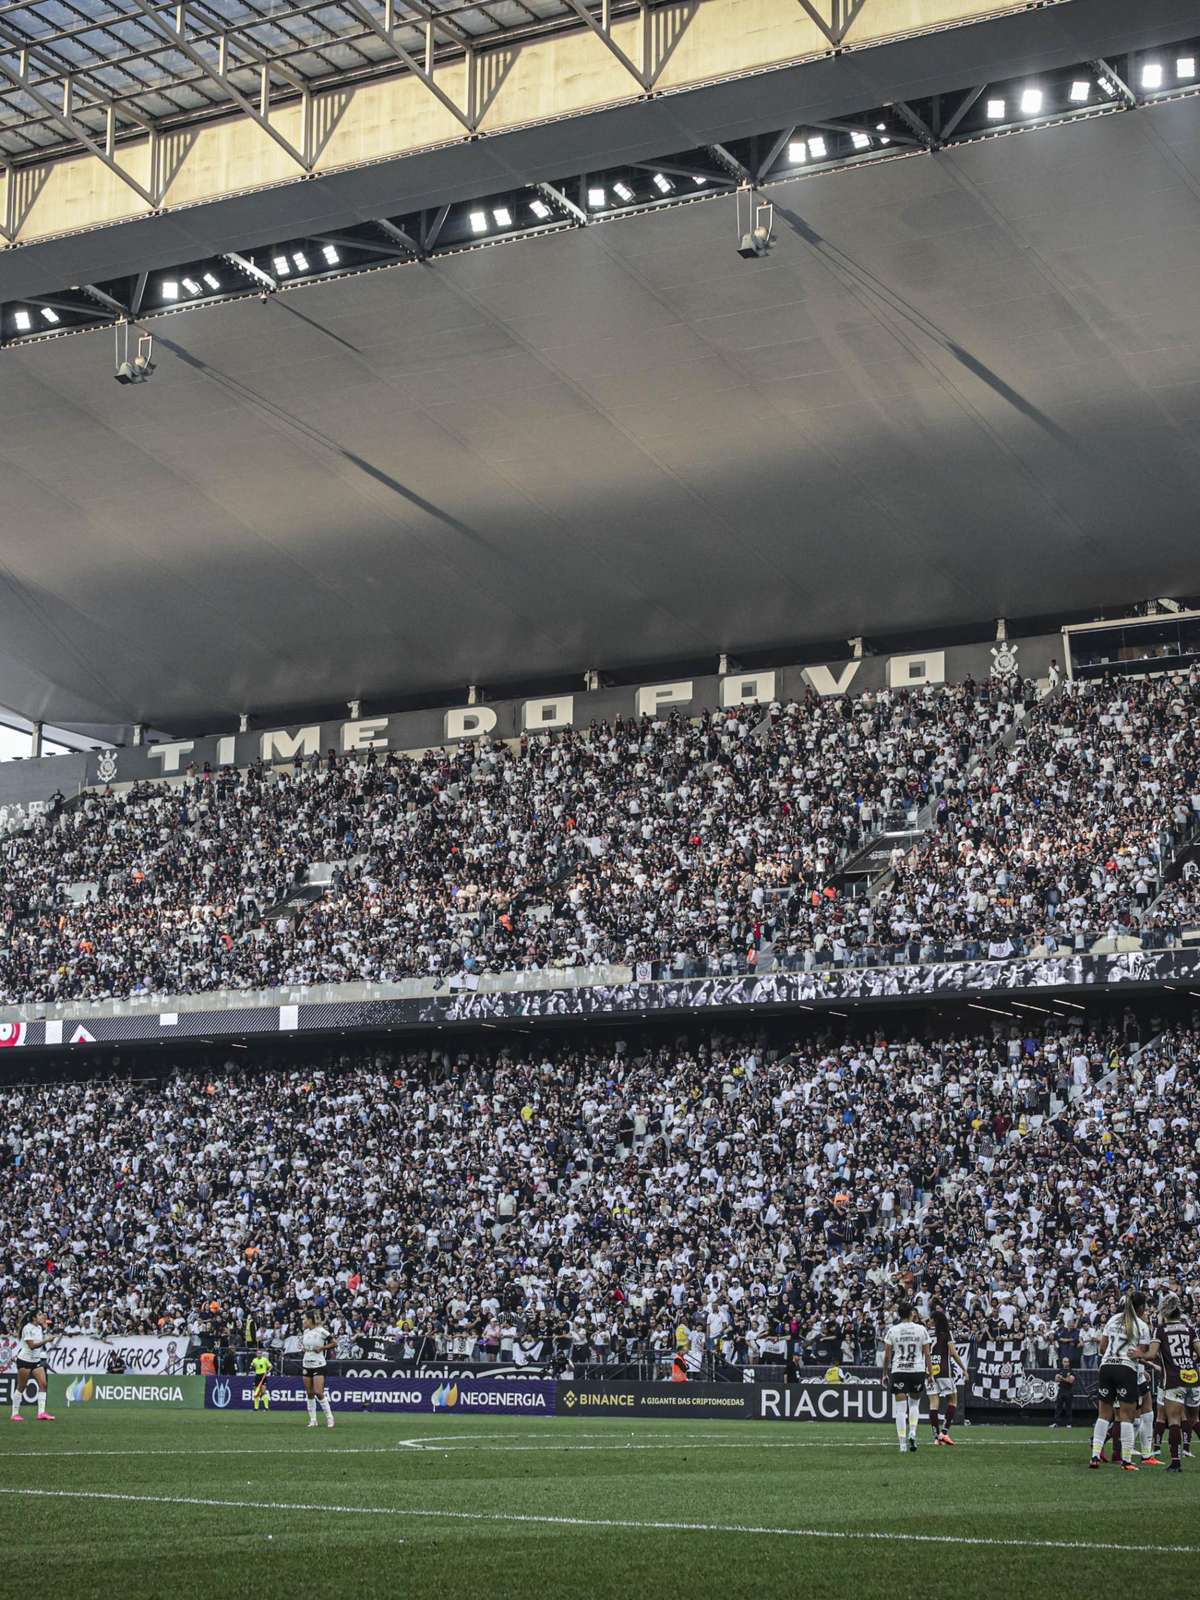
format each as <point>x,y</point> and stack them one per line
<point>545,1520</point>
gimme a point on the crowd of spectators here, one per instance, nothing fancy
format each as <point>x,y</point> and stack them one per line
<point>623,842</point>
<point>612,1200</point>
<point>678,846</point>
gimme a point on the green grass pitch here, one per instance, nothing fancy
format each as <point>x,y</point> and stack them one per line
<point>191,1505</point>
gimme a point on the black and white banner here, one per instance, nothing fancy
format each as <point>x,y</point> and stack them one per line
<point>775,990</point>
<point>997,1372</point>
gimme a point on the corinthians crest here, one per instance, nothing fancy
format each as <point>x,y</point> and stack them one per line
<point>1004,660</point>
<point>106,766</point>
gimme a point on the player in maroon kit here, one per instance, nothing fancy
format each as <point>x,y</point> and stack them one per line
<point>942,1384</point>
<point>1176,1347</point>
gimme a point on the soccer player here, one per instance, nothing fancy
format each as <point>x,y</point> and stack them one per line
<point>31,1365</point>
<point>906,1369</point>
<point>1144,1422</point>
<point>1176,1346</point>
<point>316,1343</point>
<point>945,1361</point>
<point>261,1368</point>
<point>1125,1342</point>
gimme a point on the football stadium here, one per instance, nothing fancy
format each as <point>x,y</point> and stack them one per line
<point>599,798</point>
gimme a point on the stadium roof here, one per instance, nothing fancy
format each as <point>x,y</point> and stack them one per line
<point>960,386</point>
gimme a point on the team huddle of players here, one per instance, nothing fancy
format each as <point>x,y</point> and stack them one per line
<point>1134,1362</point>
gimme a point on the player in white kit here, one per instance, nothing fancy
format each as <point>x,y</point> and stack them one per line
<point>1125,1343</point>
<point>906,1369</point>
<point>315,1342</point>
<point>31,1365</point>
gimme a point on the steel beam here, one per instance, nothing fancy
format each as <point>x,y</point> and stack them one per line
<point>964,105</point>
<point>602,28</point>
<point>1124,93</point>
<point>65,118</point>
<point>842,15</point>
<point>386,31</point>
<point>175,35</point>
<point>251,271</point>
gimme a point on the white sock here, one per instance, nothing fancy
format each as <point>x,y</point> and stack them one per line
<point>312,1407</point>
<point>16,1409</point>
<point>43,1399</point>
<point>325,1406</point>
<point>914,1417</point>
<point>1146,1433</point>
<point>1127,1440</point>
<point>900,1412</point>
<point>1099,1435</point>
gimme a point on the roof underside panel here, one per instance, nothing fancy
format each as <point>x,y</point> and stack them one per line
<point>959,387</point>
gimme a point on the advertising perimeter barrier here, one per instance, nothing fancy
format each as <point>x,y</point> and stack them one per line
<point>817,1396</point>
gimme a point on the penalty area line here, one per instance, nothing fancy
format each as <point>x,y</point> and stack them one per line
<point>848,1535</point>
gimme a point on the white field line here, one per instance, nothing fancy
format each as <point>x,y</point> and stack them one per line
<point>452,1444</point>
<point>846,1534</point>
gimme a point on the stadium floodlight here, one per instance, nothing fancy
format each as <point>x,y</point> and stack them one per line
<point>478,221</point>
<point>881,127</point>
<point>282,266</point>
<point>817,148</point>
<point>170,290</point>
<point>1185,67</point>
<point>23,320</point>
<point>50,316</point>
<point>213,283</point>
<point>1031,102</point>
<point>797,152</point>
<point>301,260</point>
<point>1081,91</point>
<point>623,191</point>
<point>191,285</point>
<point>1152,75</point>
<point>662,183</point>
<point>861,141</point>
<point>596,198</point>
<point>503,216</point>
<point>996,110</point>
<point>330,252</point>
<point>540,209</point>
<point>698,180</point>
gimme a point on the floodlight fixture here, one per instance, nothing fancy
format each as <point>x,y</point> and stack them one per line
<point>282,266</point>
<point>1185,67</point>
<point>797,152</point>
<point>662,183</point>
<point>212,282</point>
<point>817,148</point>
<point>478,221</point>
<point>1081,91</point>
<point>23,321</point>
<point>596,198</point>
<point>1031,102</point>
<point>301,260</point>
<point>540,209</point>
<point>170,290</point>
<point>861,141</point>
<point>331,254</point>
<point>191,285</point>
<point>623,192</point>
<point>503,216</point>
<point>1152,75</point>
<point>51,316</point>
<point>996,110</point>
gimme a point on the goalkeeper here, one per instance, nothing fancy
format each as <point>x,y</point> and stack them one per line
<point>261,1368</point>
